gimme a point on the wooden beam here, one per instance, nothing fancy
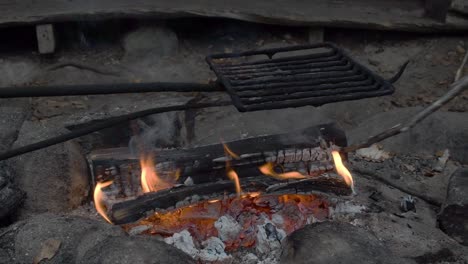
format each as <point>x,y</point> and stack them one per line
<point>407,15</point>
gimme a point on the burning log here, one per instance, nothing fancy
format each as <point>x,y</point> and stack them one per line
<point>132,210</point>
<point>307,150</point>
<point>290,163</point>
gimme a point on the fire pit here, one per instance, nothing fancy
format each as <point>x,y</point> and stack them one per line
<point>240,194</point>
<point>218,168</point>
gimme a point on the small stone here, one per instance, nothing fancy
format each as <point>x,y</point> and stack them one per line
<point>408,204</point>
<point>189,181</point>
<point>461,49</point>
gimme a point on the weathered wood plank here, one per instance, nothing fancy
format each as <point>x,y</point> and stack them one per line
<point>407,15</point>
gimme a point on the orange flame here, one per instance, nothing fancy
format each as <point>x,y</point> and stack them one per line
<point>235,178</point>
<point>229,152</point>
<point>99,199</point>
<point>342,170</point>
<point>150,181</point>
<point>232,175</point>
<point>267,169</point>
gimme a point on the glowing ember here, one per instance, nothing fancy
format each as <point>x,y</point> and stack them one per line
<point>150,181</point>
<point>342,170</point>
<point>289,212</point>
<point>99,197</point>
<point>268,169</point>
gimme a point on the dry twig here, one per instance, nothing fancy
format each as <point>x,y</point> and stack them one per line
<point>461,68</point>
<point>456,89</point>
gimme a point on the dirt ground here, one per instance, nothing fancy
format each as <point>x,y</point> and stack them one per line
<point>174,52</point>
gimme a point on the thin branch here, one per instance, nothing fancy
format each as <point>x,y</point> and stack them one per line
<point>83,66</point>
<point>461,68</point>
<point>376,176</point>
<point>456,89</point>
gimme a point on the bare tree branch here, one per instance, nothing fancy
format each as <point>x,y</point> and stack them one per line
<point>456,89</point>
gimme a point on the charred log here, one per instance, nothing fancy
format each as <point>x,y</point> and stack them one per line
<point>132,210</point>
<point>306,150</point>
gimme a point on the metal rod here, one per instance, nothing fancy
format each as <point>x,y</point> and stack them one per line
<point>89,89</point>
<point>104,124</point>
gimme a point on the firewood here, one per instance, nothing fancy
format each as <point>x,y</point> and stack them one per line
<point>132,210</point>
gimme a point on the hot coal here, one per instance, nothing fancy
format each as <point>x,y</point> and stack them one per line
<point>258,221</point>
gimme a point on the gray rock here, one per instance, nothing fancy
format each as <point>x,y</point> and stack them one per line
<point>129,250</point>
<point>453,218</point>
<point>56,178</point>
<point>76,236</point>
<point>335,242</point>
<point>10,195</point>
<point>12,115</point>
<point>441,130</point>
<point>155,40</point>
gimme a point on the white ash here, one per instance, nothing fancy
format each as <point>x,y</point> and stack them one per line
<point>346,208</point>
<point>439,165</point>
<point>277,219</point>
<point>249,258</point>
<point>189,181</point>
<point>374,153</point>
<point>269,240</point>
<point>138,230</point>
<point>195,198</point>
<point>183,241</point>
<point>213,251</point>
<point>311,219</point>
<point>183,203</point>
<point>228,228</point>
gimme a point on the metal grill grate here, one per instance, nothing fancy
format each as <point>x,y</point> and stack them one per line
<point>295,76</point>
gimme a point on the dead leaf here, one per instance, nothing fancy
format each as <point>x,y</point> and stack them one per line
<point>48,250</point>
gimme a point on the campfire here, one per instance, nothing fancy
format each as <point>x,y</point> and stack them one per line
<point>235,196</point>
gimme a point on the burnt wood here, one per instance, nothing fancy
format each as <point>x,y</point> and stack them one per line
<point>132,210</point>
<point>407,15</point>
<point>200,162</point>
